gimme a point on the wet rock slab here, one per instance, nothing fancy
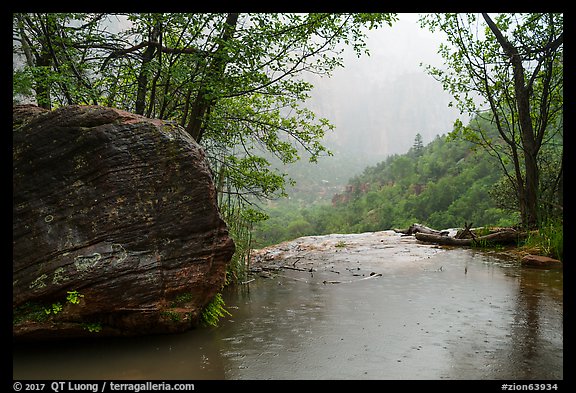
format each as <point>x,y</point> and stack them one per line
<point>425,313</point>
<point>355,254</point>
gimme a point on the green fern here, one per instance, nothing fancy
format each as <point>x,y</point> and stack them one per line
<point>214,311</point>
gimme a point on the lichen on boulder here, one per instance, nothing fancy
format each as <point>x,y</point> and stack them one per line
<point>120,209</point>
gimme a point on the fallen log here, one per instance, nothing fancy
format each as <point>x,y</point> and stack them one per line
<point>465,233</point>
<point>502,238</point>
<point>418,228</point>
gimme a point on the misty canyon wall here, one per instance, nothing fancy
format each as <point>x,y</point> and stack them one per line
<point>116,229</point>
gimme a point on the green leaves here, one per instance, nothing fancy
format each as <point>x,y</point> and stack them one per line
<point>252,175</point>
<point>236,82</point>
<point>73,297</point>
<point>215,310</point>
<point>22,83</point>
<point>509,65</point>
<point>444,186</point>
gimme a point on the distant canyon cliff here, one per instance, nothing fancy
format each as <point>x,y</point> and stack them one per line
<point>375,119</point>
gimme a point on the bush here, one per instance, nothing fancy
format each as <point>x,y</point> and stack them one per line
<point>549,241</point>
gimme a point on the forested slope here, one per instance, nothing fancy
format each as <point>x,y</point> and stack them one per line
<point>442,184</point>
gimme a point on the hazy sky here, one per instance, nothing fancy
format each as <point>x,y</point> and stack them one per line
<point>398,49</point>
<point>379,103</point>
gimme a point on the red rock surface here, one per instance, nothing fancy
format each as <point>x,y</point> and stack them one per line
<point>540,261</point>
<point>119,208</point>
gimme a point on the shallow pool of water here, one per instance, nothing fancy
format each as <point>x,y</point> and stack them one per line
<point>459,314</point>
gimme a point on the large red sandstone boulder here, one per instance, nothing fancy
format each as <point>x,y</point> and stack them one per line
<point>116,229</point>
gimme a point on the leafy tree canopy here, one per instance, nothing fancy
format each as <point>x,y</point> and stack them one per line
<point>234,81</point>
<point>508,69</point>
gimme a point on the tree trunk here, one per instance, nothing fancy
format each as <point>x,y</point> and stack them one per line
<point>41,88</point>
<point>528,204</point>
<point>202,104</point>
<point>147,57</point>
